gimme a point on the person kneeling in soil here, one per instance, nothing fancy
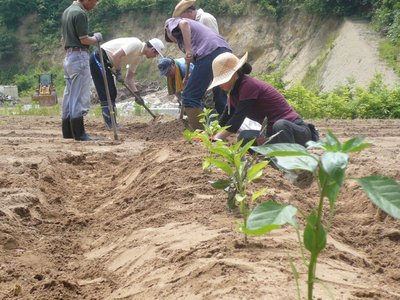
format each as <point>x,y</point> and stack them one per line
<point>257,100</point>
<point>117,53</point>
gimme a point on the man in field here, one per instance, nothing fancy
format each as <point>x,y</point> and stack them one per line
<point>76,42</point>
<point>116,54</point>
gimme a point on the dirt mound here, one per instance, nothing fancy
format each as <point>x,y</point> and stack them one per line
<point>138,218</point>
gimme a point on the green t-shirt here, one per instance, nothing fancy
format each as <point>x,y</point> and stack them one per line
<point>74,26</point>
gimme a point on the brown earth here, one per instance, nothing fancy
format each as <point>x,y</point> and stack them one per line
<point>138,219</point>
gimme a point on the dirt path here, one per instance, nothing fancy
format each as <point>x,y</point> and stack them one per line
<point>355,57</point>
<point>138,219</point>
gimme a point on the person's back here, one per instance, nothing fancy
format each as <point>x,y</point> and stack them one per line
<point>268,101</point>
<point>73,26</point>
<point>203,39</point>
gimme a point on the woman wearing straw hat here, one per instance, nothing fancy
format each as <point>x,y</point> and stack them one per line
<point>257,100</point>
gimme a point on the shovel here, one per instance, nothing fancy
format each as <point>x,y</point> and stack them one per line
<point>184,82</point>
<point>155,117</point>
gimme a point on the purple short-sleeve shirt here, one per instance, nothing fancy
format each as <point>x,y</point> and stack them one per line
<point>204,41</point>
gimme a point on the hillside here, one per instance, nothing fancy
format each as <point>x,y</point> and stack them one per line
<point>331,49</point>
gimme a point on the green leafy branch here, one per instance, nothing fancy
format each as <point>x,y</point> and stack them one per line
<point>329,170</point>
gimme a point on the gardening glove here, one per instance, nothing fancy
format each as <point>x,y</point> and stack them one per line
<point>118,76</point>
<point>138,99</point>
<point>98,36</point>
<point>214,139</point>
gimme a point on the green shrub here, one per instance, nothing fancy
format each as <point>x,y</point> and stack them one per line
<point>390,52</point>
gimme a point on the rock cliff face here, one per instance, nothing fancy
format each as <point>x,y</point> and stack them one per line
<point>336,49</point>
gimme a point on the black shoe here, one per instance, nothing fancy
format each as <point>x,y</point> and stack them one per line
<point>66,129</point>
<point>78,130</point>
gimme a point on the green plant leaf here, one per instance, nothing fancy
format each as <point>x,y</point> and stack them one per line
<point>354,145</point>
<point>258,194</point>
<point>206,164</point>
<point>220,150</point>
<point>332,143</point>
<point>314,238</point>
<point>307,163</point>
<point>221,165</point>
<point>255,171</point>
<point>332,174</point>
<point>282,149</point>
<point>384,192</point>
<point>319,145</point>
<point>221,184</point>
<point>245,148</point>
<point>334,163</point>
<point>269,216</point>
<point>240,198</point>
<point>187,135</point>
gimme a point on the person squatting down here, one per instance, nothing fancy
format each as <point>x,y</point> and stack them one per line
<point>174,70</point>
<point>200,45</point>
<point>117,53</point>
<point>257,100</point>
<point>76,41</point>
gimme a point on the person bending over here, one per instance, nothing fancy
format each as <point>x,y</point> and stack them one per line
<point>117,53</point>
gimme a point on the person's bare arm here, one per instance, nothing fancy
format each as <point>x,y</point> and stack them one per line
<point>187,39</point>
<point>89,40</point>
<point>223,135</point>
<point>130,80</point>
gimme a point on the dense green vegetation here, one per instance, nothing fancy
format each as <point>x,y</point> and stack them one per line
<point>345,102</point>
<point>385,14</point>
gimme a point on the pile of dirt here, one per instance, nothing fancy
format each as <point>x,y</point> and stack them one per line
<point>137,218</point>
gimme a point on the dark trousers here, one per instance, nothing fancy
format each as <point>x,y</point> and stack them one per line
<point>96,71</point>
<point>199,80</point>
<point>291,132</point>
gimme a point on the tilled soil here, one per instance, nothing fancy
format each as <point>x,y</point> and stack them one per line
<point>138,219</point>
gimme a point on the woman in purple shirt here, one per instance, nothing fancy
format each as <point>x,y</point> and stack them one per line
<point>256,100</point>
<point>201,45</point>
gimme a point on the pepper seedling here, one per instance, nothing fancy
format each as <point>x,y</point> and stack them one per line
<point>329,171</point>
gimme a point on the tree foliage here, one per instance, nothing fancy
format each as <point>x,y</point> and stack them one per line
<point>11,11</point>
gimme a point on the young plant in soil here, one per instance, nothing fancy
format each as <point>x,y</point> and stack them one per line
<point>329,171</point>
<point>211,126</point>
<point>241,170</point>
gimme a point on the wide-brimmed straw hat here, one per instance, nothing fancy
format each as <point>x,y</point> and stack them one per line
<point>181,7</point>
<point>224,66</point>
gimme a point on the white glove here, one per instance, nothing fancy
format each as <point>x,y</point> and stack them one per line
<point>98,36</point>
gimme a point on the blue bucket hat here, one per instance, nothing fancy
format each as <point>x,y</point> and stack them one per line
<point>164,65</point>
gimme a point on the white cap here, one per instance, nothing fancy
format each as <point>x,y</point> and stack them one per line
<point>158,45</point>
